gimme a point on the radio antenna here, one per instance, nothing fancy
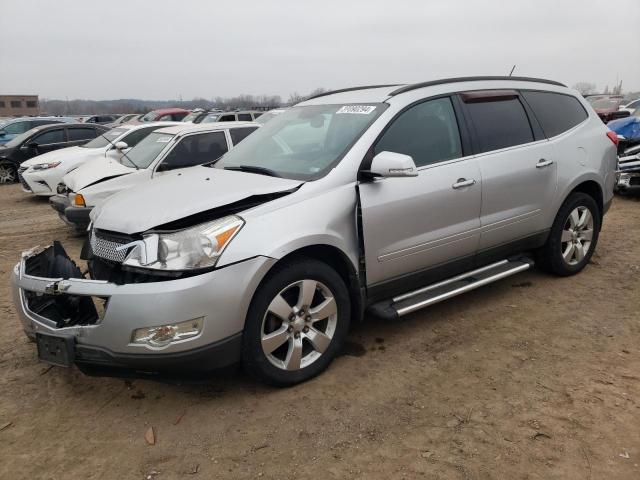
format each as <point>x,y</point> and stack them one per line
<point>512,69</point>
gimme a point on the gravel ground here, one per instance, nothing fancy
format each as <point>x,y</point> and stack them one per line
<point>533,377</point>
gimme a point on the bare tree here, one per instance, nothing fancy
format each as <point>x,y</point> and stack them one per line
<point>585,88</point>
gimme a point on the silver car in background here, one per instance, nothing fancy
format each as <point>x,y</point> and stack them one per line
<point>377,199</point>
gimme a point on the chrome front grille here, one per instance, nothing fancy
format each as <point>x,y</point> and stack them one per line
<point>104,246</point>
<point>25,185</point>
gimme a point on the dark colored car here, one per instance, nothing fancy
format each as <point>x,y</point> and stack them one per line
<point>41,140</point>
<point>607,106</point>
<point>101,119</point>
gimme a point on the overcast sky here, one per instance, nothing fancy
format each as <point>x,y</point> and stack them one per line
<point>159,49</point>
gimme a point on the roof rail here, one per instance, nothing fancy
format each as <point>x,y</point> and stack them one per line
<point>415,86</point>
<point>350,89</point>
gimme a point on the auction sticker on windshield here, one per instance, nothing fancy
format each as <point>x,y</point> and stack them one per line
<point>359,109</point>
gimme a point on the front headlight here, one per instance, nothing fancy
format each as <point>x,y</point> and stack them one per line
<point>46,166</point>
<point>193,248</point>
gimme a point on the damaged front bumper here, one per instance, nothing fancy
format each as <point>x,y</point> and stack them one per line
<point>220,298</point>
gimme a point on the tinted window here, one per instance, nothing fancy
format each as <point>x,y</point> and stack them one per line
<point>76,134</point>
<point>52,136</point>
<point>257,114</point>
<point>196,150</point>
<point>500,124</point>
<point>16,128</point>
<point>227,118</point>
<point>244,117</point>
<point>428,132</point>
<point>239,134</point>
<point>556,112</point>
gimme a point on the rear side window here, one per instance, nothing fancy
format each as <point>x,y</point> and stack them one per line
<point>227,118</point>
<point>244,117</point>
<point>428,132</point>
<point>239,134</point>
<point>500,124</point>
<point>196,150</point>
<point>76,134</point>
<point>556,112</point>
<point>52,136</point>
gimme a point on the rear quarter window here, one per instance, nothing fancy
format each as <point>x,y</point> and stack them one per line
<point>556,112</point>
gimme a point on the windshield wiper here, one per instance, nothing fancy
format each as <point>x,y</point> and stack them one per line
<point>254,169</point>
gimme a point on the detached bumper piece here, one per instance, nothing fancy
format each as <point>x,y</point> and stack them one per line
<point>70,214</point>
<point>64,310</point>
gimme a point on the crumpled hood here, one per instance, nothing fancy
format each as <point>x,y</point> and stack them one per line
<point>64,154</point>
<point>179,194</point>
<point>94,171</point>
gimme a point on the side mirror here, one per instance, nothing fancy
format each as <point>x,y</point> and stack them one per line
<point>391,165</point>
<point>121,146</point>
<point>32,146</point>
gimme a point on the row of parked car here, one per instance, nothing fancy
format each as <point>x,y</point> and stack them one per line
<point>216,243</point>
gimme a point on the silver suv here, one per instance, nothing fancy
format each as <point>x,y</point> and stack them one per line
<point>374,200</point>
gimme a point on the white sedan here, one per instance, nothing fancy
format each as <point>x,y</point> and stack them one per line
<point>41,175</point>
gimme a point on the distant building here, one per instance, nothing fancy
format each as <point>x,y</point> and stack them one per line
<point>18,105</point>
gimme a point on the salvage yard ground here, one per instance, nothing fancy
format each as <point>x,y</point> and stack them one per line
<point>533,377</point>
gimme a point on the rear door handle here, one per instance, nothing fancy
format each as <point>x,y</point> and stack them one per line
<point>463,182</point>
<point>543,163</point>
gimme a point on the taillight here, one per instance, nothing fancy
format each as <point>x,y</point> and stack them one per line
<point>613,136</point>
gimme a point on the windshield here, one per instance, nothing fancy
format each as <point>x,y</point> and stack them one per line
<point>211,118</point>
<point>17,140</point>
<point>304,142</point>
<point>149,117</point>
<point>605,103</point>
<point>191,117</point>
<point>265,117</point>
<point>145,152</point>
<point>105,139</point>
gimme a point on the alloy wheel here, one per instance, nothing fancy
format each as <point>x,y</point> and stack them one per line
<point>7,174</point>
<point>577,235</point>
<point>299,325</point>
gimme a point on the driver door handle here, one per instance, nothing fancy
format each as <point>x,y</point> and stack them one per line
<point>543,163</point>
<point>463,182</point>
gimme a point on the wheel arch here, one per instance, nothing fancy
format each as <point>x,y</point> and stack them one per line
<point>593,189</point>
<point>336,259</point>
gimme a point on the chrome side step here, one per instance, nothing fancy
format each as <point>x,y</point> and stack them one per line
<point>437,292</point>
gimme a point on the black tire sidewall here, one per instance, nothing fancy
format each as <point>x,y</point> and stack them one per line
<point>554,247</point>
<point>254,359</point>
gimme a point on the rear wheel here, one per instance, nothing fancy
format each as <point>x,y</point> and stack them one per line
<point>573,236</point>
<point>297,322</point>
<point>8,173</point>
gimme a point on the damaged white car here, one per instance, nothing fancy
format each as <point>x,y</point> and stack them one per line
<point>41,175</point>
<point>165,150</point>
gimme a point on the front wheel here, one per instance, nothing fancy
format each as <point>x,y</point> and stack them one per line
<point>8,173</point>
<point>297,322</point>
<point>573,236</point>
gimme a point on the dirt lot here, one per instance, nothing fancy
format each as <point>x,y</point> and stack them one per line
<point>534,377</point>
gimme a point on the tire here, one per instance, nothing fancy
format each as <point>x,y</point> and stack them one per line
<point>8,172</point>
<point>301,339</point>
<point>573,236</point>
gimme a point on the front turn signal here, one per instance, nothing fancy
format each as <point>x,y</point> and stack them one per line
<point>78,201</point>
